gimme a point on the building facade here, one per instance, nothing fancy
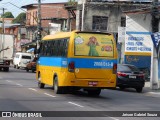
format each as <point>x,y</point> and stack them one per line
<point>105,16</point>
<point>54,18</point>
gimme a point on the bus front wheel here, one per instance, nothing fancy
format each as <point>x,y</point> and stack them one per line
<point>40,84</point>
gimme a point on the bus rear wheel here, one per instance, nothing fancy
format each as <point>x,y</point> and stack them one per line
<point>40,84</point>
<point>57,89</point>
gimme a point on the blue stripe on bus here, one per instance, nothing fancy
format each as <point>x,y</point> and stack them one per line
<point>79,62</point>
<point>53,61</point>
<point>92,63</point>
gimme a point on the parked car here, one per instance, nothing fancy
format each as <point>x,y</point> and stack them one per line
<point>31,65</point>
<point>146,72</point>
<point>129,76</point>
<point>21,59</point>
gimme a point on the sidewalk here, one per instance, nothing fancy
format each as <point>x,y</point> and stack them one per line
<point>147,87</point>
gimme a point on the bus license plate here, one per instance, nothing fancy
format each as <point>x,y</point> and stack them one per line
<point>91,83</point>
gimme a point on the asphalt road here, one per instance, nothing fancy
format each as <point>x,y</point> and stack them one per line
<point>19,92</point>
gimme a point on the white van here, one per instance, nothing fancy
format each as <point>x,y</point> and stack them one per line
<point>21,59</point>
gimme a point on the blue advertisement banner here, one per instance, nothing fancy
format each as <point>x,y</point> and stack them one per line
<point>142,62</point>
<point>139,61</point>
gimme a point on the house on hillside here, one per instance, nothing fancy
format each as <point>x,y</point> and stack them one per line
<point>54,18</point>
<point>17,30</point>
<point>7,20</point>
<point>13,29</point>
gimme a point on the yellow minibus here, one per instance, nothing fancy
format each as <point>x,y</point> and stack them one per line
<point>77,60</point>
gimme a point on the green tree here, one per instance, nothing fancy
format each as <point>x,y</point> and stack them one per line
<point>21,18</point>
<point>7,15</point>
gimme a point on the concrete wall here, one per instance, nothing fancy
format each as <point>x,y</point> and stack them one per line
<point>138,22</point>
<point>113,14</point>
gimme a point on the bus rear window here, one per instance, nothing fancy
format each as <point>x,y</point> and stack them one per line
<point>94,45</point>
<point>26,57</point>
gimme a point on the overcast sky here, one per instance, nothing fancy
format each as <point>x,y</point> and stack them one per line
<point>10,5</point>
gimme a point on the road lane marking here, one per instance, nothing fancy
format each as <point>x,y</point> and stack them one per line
<point>9,81</point>
<point>75,104</point>
<point>32,89</point>
<point>19,85</point>
<point>154,93</point>
<point>49,95</point>
<point>113,118</point>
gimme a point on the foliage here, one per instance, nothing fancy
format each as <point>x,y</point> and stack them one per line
<point>7,15</point>
<point>21,18</point>
<point>72,2</point>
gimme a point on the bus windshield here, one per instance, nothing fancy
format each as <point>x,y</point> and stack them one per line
<point>96,45</point>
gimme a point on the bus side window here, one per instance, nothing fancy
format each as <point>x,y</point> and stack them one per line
<point>65,47</point>
<point>52,48</point>
<point>61,47</point>
<point>49,47</point>
<point>58,48</point>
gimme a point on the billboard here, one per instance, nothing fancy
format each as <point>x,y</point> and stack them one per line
<point>138,49</point>
<point>140,42</point>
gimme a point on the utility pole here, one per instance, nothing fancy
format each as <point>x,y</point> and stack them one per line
<point>83,8</point>
<point>154,59</point>
<point>39,24</point>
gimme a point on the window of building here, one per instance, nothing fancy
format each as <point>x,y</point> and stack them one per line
<point>123,21</point>
<point>99,23</point>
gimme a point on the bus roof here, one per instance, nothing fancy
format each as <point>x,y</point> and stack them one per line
<point>58,35</point>
<point>68,34</point>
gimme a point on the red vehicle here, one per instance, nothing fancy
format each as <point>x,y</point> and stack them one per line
<point>31,65</point>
